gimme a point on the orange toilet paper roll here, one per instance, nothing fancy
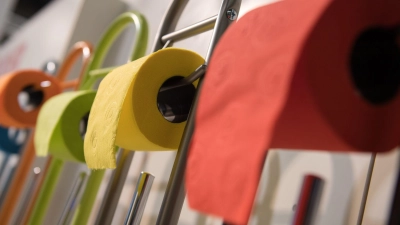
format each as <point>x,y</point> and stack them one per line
<point>12,84</point>
<point>43,86</point>
<point>304,74</point>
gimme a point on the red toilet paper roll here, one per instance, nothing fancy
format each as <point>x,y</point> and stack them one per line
<point>304,74</point>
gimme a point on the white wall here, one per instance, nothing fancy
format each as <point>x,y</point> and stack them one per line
<point>43,37</point>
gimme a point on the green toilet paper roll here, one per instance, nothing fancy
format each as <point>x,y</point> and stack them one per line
<point>60,119</point>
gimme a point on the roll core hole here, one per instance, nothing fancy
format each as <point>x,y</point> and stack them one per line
<point>83,125</point>
<point>174,104</point>
<point>375,64</point>
<point>30,98</point>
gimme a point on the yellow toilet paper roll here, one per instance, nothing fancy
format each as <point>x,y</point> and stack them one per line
<point>60,120</point>
<point>125,111</point>
<point>58,129</point>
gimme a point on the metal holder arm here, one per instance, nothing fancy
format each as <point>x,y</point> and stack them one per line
<point>139,199</point>
<point>200,27</point>
<point>394,214</point>
<point>172,12</point>
<point>114,189</point>
<point>175,193</point>
<point>309,199</point>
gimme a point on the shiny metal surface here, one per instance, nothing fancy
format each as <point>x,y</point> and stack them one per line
<point>200,27</point>
<point>394,211</point>
<point>223,22</point>
<point>73,200</point>
<point>26,198</point>
<point>114,188</point>
<point>139,199</point>
<point>51,67</point>
<point>366,189</point>
<point>197,74</point>
<point>309,200</point>
<point>7,184</point>
<point>173,12</point>
<point>175,194</point>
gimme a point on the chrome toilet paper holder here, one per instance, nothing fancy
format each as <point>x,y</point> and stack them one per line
<point>175,194</point>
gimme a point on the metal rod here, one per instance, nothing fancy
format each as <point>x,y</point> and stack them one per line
<point>227,15</point>
<point>366,189</point>
<point>139,199</point>
<point>7,184</point>
<point>114,189</point>
<point>175,194</point>
<point>167,44</point>
<point>309,200</point>
<point>3,175</point>
<point>35,194</point>
<point>394,216</point>
<point>199,72</point>
<point>167,21</point>
<point>72,201</point>
<point>26,198</point>
<point>197,28</point>
<point>4,163</point>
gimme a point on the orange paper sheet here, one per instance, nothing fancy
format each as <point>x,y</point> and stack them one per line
<point>303,74</point>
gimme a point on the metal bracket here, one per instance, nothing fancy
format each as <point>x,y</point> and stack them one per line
<point>175,193</point>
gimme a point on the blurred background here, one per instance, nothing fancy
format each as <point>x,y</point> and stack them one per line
<point>15,13</point>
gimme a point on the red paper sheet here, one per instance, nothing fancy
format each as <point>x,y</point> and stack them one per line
<point>293,75</point>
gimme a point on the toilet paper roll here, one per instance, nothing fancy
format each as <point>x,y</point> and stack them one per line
<point>305,74</point>
<point>37,97</point>
<point>32,81</point>
<point>61,119</point>
<point>12,140</point>
<point>58,123</point>
<point>62,114</point>
<point>125,111</point>
<point>35,87</point>
<point>61,138</point>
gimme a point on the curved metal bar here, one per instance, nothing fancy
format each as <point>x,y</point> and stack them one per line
<point>115,29</point>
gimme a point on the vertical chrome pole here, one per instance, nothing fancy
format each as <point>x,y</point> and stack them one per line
<point>4,163</point>
<point>114,189</point>
<point>27,196</point>
<point>309,199</point>
<point>139,199</point>
<point>7,184</point>
<point>3,175</point>
<point>73,200</point>
<point>366,189</point>
<point>394,214</point>
<point>175,194</point>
